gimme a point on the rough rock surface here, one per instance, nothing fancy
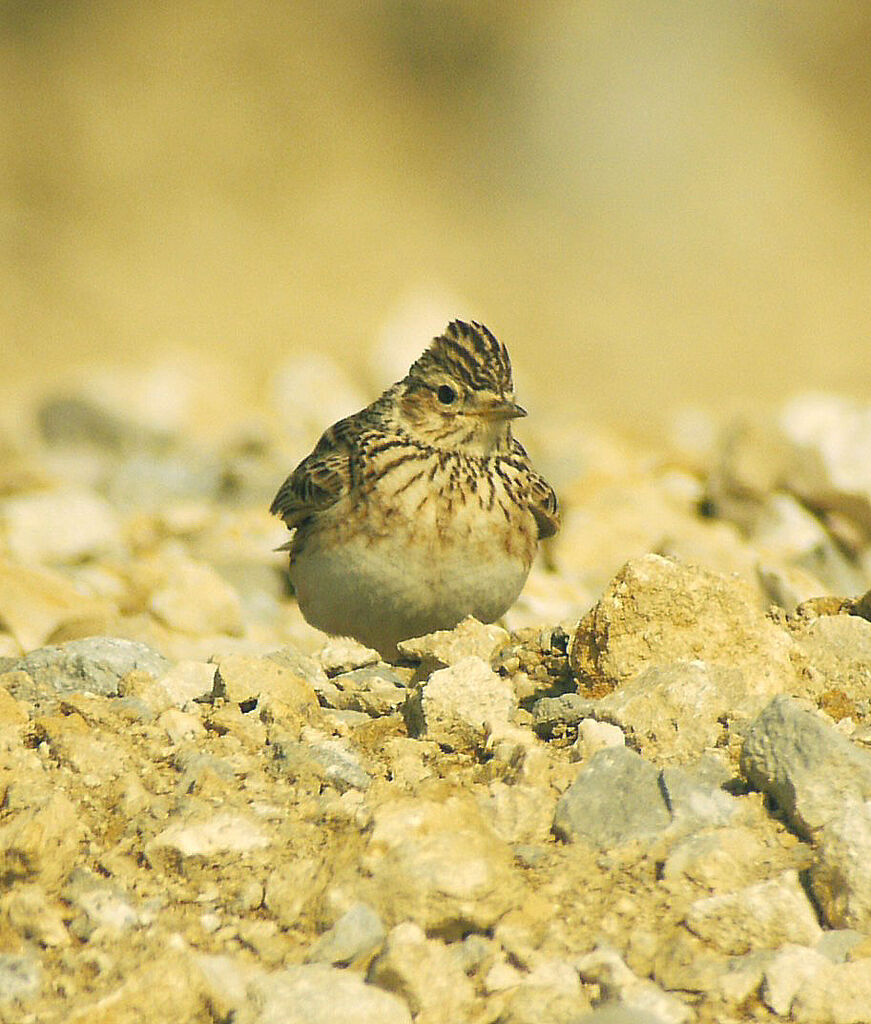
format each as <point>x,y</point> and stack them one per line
<point>211,812</point>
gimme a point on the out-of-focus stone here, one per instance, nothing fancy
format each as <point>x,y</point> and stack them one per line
<point>838,649</point>
<point>42,841</point>
<point>762,916</point>
<point>518,813</point>
<point>457,704</point>
<point>222,834</point>
<point>840,880</point>
<point>439,866</point>
<point>29,912</point>
<point>94,665</point>
<point>195,599</point>
<point>640,995</point>
<point>657,611</point>
<point>355,937</point>
<point>318,994</point>
<point>185,681</point>
<point>36,603</point>
<point>791,966</point>
<point>20,977</point>
<point>425,973</point>
<point>331,760</point>
<point>721,860</point>
<point>615,798</point>
<point>59,527</point>
<point>804,764</point>
<point>836,994</point>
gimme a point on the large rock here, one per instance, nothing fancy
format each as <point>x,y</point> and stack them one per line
<point>804,765</point>
<point>657,611</point>
<point>96,664</point>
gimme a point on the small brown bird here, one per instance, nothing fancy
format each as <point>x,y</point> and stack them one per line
<point>421,508</point>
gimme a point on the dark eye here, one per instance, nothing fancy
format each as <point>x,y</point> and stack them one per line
<point>446,394</point>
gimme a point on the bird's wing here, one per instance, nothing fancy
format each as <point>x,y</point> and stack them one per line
<point>321,479</point>
<point>541,498</point>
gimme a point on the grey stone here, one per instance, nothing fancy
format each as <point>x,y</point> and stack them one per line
<point>317,994</point>
<point>553,716</point>
<point>20,977</point>
<point>96,665</point>
<point>146,480</point>
<point>617,983</point>
<point>73,420</point>
<point>357,934</point>
<point>839,876</point>
<point>805,765</point>
<point>615,799</point>
<point>328,759</point>
<point>835,945</point>
<point>790,967</point>
<point>695,796</point>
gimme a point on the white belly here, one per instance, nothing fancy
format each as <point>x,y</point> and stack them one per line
<point>387,585</point>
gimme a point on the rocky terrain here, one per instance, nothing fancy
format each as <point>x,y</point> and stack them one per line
<point>645,798</point>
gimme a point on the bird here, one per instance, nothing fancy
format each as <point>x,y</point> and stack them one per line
<point>422,508</point>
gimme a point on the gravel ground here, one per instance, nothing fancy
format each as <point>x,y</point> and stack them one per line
<point>645,796</point>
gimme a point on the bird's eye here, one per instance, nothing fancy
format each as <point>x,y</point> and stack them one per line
<point>446,394</point>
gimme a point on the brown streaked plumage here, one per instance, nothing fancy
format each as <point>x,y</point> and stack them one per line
<point>421,508</point>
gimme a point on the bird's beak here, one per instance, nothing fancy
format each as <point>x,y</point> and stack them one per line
<point>502,410</point>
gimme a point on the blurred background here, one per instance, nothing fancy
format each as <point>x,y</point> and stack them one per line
<point>653,204</point>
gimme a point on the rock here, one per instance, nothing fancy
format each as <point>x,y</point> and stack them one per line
<point>695,797</point>
<point>170,986</point>
<point>101,905</point>
<point>538,664</point>
<point>674,712</point>
<point>617,983</point>
<point>615,799</point>
<point>720,860</point>
<point>425,974</point>
<point>317,994</point>
<point>456,705</point>
<point>784,975</point>
<point>518,813</point>
<point>194,599</point>
<point>836,994</point>
<point>222,834</point>
<point>35,604</point>
<point>838,649</point>
<point>761,916</point>
<point>331,760</point>
<point>20,977</point>
<point>149,481</point>
<point>41,841</point>
<point>61,527</point>
<point>555,716</point>
<point>28,911</point>
<point>184,681</point>
<point>439,866</point>
<point>839,877</point>
<point>247,680</point>
<point>549,994</point>
<point>376,690</point>
<point>804,765</point>
<point>657,611</point>
<point>76,420</point>
<point>448,646</point>
<point>344,654</point>
<point>180,726</point>
<point>834,436</point>
<point>95,665</point>
<point>594,736</point>
<point>355,937</point>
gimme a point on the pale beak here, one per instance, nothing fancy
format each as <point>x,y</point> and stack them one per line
<point>501,410</point>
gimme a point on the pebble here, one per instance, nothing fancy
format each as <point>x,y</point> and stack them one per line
<point>357,935</point>
<point>60,527</point>
<point>839,876</point>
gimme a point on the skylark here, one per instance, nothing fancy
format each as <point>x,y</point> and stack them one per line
<point>421,508</point>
